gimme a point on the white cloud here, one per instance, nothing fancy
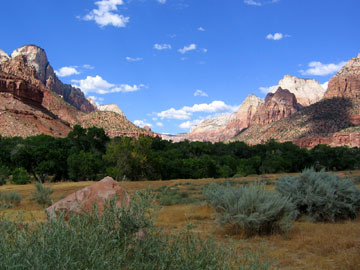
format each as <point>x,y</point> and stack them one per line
<point>252,3</point>
<point>266,90</point>
<point>87,66</point>
<point>100,86</point>
<point>133,59</point>
<point>320,69</point>
<point>190,124</point>
<point>162,1</point>
<point>174,114</point>
<point>202,29</point>
<point>159,124</point>
<point>260,3</point>
<point>161,47</point>
<point>325,85</point>
<point>276,36</point>
<point>204,50</point>
<point>200,93</point>
<point>186,49</point>
<point>105,14</point>
<point>186,112</point>
<point>141,123</point>
<point>67,71</point>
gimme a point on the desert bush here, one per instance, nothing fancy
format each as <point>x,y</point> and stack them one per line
<point>4,175</point>
<point>9,199</point>
<point>20,177</point>
<point>171,196</point>
<point>250,209</point>
<point>42,195</point>
<point>109,242</point>
<point>321,196</point>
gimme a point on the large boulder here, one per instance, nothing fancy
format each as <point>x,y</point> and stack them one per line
<point>83,200</point>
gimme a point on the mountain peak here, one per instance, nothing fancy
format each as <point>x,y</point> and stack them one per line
<point>306,91</point>
<point>111,108</point>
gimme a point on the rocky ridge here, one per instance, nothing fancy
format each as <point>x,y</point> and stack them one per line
<point>335,120</point>
<point>37,58</point>
<point>30,105</point>
<point>111,108</point>
<point>306,91</point>
<point>346,83</point>
<point>277,106</point>
<point>21,110</point>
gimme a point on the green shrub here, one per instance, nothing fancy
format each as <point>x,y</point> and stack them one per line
<point>9,199</point>
<point>4,175</point>
<point>250,209</point>
<point>321,196</point>
<point>170,196</point>
<point>109,242</point>
<point>42,195</point>
<point>20,177</point>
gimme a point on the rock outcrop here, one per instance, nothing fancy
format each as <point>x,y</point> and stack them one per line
<point>82,201</point>
<point>277,106</point>
<point>243,117</point>
<point>36,57</point>
<point>3,56</point>
<point>21,89</point>
<point>306,91</point>
<point>111,108</point>
<point>346,83</point>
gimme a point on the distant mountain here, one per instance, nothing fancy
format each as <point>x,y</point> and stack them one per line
<point>335,120</point>
<point>298,110</point>
<point>34,101</point>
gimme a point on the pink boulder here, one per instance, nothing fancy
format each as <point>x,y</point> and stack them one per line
<point>83,200</point>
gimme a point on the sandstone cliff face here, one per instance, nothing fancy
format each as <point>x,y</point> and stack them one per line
<point>306,91</point>
<point>242,119</point>
<point>21,89</point>
<point>28,107</point>
<point>18,118</point>
<point>277,106</point>
<point>210,130</point>
<point>36,58</point>
<point>19,67</point>
<point>111,108</point>
<point>346,83</point>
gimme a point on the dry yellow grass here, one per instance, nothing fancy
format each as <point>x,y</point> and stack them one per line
<point>312,246</point>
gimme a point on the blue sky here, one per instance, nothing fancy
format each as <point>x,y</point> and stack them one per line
<point>171,63</point>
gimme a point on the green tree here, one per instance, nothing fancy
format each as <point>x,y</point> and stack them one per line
<point>20,177</point>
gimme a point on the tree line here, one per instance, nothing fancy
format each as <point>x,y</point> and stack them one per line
<point>88,154</point>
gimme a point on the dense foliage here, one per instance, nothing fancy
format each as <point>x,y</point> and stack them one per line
<point>250,209</point>
<point>113,241</point>
<point>321,196</point>
<point>88,154</point>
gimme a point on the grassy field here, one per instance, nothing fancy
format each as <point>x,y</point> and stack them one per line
<point>307,246</point>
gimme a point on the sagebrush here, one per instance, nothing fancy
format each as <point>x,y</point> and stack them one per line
<point>250,209</point>
<point>321,196</point>
<point>9,199</point>
<point>111,241</point>
<point>42,194</point>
